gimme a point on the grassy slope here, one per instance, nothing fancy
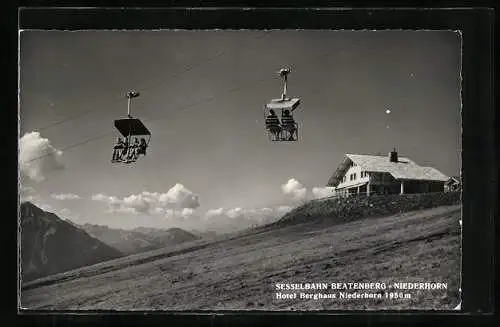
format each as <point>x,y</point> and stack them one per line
<point>239,272</point>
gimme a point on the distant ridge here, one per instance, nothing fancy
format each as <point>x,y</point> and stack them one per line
<point>139,239</point>
<point>50,245</point>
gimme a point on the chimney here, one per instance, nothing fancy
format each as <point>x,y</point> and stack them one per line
<point>393,156</point>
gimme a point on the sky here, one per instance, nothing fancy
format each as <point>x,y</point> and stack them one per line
<point>202,95</point>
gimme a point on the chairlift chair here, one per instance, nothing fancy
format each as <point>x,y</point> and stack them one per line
<point>288,132</point>
<point>131,127</point>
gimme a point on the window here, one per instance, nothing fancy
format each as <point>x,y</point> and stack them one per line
<point>362,174</point>
<point>354,176</point>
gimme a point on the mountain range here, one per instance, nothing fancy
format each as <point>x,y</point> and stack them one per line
<point>139,239</point>
<point>50,245</point>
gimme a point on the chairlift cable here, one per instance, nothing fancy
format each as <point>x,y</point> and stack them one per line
<point>108,107</point>
<point>172,75</point>
<point>72,146</point>
<point>158,119</point>
<point>237,88</point>
<point>78,115</point>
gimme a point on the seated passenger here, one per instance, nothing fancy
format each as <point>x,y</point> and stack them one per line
<point>125,150</point>
<point>133,150</point>
<point>142,147</point>
<point>117,149</point>
<point>273,124</point>
<point>288,124</point>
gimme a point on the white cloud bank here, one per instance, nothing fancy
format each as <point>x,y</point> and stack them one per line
<point>251,214</point>
<point>256,215</point>
<point>37,157</point>
<point>323,192</point>
<point>27,193</point>
<point>233,219</point>
<point>66,196</point>
<point>294,189</point>
<point>178,207</point>
<point>67,214</point>
<point>177,200</point>
<point>298,192</point>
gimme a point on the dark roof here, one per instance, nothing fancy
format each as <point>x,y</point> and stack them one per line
<point>131,126</point>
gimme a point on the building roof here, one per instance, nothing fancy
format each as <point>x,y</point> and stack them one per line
<point>403,169</point>
<point>453,179</point>
<point>287,103</point>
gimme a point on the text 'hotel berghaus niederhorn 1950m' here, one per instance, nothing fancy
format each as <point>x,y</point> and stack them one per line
<point>206,170</point>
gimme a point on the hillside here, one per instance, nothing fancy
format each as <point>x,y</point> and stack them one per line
<point>50,245</point>
<point>206,234</point>
<point>341,210</point>
<point>240,272</point>
<point>139,239</point>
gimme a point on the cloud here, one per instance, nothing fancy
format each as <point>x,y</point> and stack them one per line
<point>235,213</point>
<point>113,202</point>
<point>187,212</point>
<point>140,203</point>
<point>281,210</point>
<point>67,196</point>
<point>323,192</point>
<point>37,157</point>
<point>300,193</point>
<point>295,189</point>
<point>176,215</point>
<point>100,197</point>
<point>177,201</point>
<point>64,211</point>
<point>227,220</point>
<point>27,193</point>
<point>67,214</point>
<point>214,212</point>
<point>182,197</point>
<point>158,211</point>
<point>243,215</point>
<point>45,207</point>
